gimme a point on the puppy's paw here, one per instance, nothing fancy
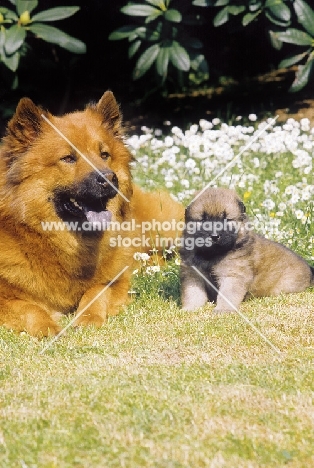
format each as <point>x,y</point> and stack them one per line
<point>89,319</point>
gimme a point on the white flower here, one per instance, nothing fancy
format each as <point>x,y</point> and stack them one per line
<point>216,121</point>
<point>253,117</point>
<point>305,125</point>
<point>144,257</point>
<point>268,203</point>
<point>205,125</point>
<point>168,141</point>
<point>299,214</point>
<point>153,269</point>
<point>190,163</point>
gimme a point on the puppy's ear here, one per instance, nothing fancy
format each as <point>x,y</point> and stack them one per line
<point>242,207</point>
<point>108,107</point>
<point>24,127</point>
<point>187,212</point>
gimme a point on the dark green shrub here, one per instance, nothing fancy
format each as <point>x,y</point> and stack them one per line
<point>159,35</point>
<point>18,23</point>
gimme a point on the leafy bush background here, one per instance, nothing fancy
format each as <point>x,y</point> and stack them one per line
<point>219,44</point>
<point>158,32</point>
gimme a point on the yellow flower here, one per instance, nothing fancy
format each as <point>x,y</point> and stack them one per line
<point>1,18</point>
<point>272,214</point>
<point>247,195</point>
<point>25,18</point>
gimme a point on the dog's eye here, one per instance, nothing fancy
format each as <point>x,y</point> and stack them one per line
<point>69,159</point>
<point>104,155</point>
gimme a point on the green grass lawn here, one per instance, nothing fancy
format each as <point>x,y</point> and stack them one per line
<point>158,387</point>
<point>162,388</point>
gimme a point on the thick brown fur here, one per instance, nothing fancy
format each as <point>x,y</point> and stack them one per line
<point>237,261</point>
<point>44,272</point>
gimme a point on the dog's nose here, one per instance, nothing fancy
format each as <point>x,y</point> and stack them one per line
<point>106,178</point>
<point>215,238</point>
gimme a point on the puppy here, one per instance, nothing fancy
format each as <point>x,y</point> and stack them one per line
<point>219,242</point>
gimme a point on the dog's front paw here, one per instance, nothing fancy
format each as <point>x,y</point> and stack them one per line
<point>89,319</point>
<point>40,327</point>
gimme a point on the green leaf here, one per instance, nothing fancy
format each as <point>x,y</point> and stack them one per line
<point>140,32</point>
<point>162,61</point>
<point>26,5</point>
<point>145,61</point>
<point>138,10</point>
<point>294,36</point>
<point>158,3</point>
<point>279,11</point>
<point>255,5</point>
<point>249,17</point>
<point>122,33</point>
<point>275,20</point>
<point>203,3</point>
<point>56,36</point>
<point>222,2</point>
<point>54,14</point>
<point>2,41</point>
<point>221,17</point>
<point>134,48</point>
<point>235,10</point>
<point>199,64</point>
<point>302,76</point>
<point>305,15</point>
<point>275,42</point>
<point>11,62</point>
<point>179,57</point>
<point>152,35</point>
<point>11,15</point>
<point>15,37</point>
<point>292,60</point>
<point>154,16</point>
<point>173,15</point>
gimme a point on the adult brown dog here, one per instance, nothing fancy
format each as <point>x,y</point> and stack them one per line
<point>220,244</point>
<point>75,172</point>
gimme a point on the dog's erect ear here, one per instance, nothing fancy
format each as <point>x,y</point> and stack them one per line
<point>27,120</point>
<point>22,130</point>
<point>107,106</point>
